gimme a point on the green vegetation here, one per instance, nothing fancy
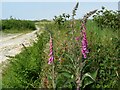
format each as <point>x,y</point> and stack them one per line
<point>24,70</point>
<point>13,25</point>
<point>104,56</point>
<point>0,24</point>
<point>107,18</point>
<point>61,19</point>
<point>30,68</point>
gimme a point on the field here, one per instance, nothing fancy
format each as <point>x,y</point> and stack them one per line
<point>67,67</point>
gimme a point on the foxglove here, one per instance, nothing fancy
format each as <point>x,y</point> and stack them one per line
<point>51,52</point>
<point>84,49</point>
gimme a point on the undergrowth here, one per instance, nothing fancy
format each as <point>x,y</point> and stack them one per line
<point>24,70</point>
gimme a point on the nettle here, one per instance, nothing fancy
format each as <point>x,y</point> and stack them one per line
<point>107,18</point>
<point>68,68</point>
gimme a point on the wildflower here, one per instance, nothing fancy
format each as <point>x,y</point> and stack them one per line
<point>51,52</point>
<point>84,49</point>
<point>77,38</point>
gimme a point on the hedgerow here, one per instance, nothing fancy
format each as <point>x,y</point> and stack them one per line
<point>11,24</point>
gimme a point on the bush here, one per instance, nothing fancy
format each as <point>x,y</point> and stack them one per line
<point>107,18</point>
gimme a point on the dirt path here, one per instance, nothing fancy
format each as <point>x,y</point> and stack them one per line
<point>12,45</point>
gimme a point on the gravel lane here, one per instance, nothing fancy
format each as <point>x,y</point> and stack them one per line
<point>12,45</point>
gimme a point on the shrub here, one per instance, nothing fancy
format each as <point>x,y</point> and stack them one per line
<point>107,18</point>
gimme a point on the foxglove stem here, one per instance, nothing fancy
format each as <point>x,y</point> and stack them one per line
<point>51,60</point>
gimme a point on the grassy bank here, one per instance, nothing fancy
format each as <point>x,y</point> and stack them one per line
<point>24,70</point>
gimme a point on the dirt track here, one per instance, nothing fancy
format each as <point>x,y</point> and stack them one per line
<point>12,45</point>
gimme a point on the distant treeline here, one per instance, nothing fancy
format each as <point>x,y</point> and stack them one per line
<point>11,24</point>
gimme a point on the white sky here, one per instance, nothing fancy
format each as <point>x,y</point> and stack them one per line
<point>47,10</point>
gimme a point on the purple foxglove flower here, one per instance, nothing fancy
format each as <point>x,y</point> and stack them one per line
<point>84,49</point>
<point>50,60</point>
<point>51,52</point>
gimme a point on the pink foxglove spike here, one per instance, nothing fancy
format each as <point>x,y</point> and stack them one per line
<point>50,60</point>
<point>84,49</point>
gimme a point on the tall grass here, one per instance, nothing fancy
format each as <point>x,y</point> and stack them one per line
<point>104,52</point>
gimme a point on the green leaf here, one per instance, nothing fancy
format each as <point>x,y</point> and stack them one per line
<point>83,66</point>
<point>64,79</point>
<point>94,74</point>
<point>87,81</point>
<point>90,75</point>
<point>89,78</point>
<point>71,59</point>
<point>67,74</point>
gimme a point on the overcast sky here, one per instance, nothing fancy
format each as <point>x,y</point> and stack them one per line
<point>47,10</point>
